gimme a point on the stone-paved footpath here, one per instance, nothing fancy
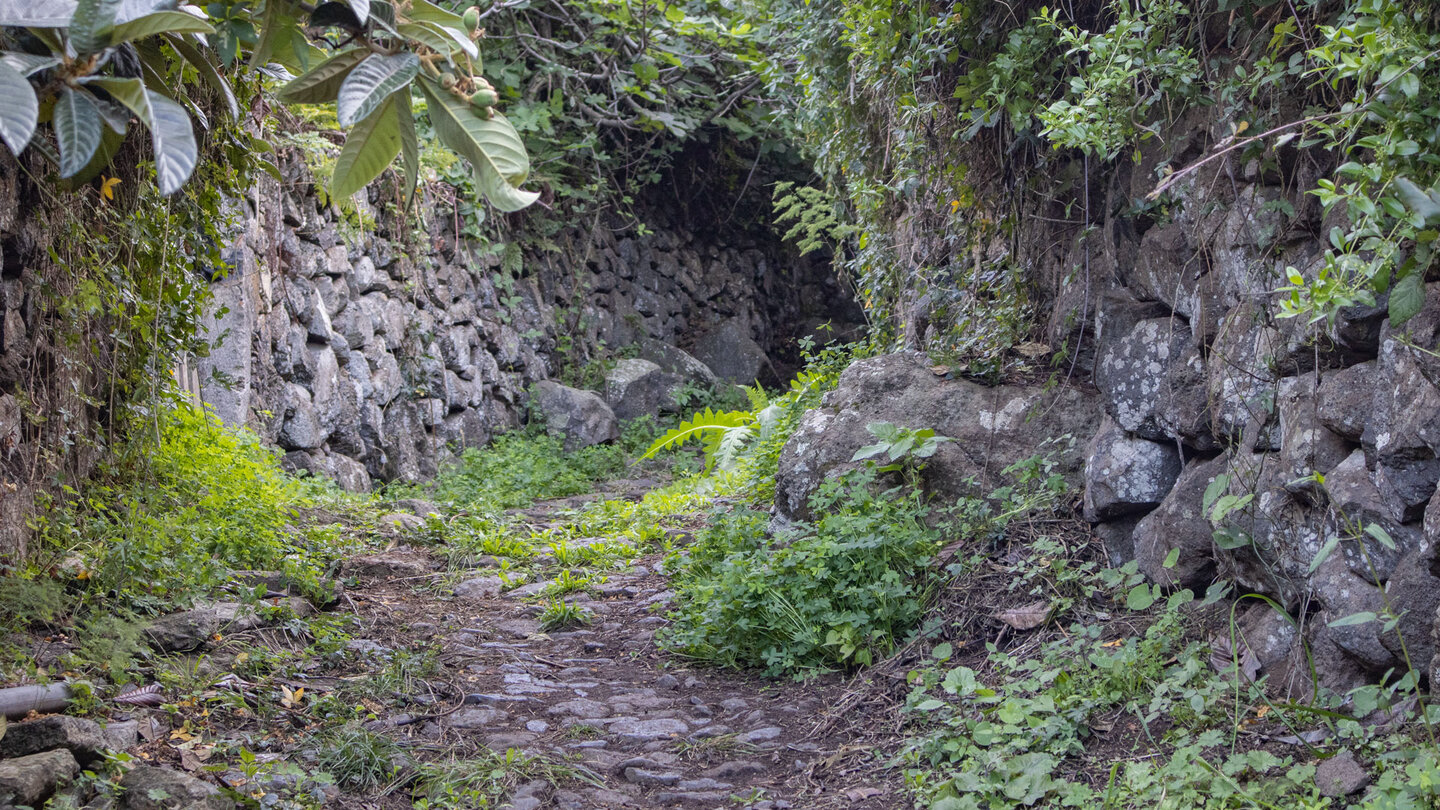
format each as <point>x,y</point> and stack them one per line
<point>652,730</point>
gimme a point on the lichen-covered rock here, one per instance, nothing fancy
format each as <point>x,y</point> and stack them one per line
<point>674,360</point>
<point>1343,593</point>
<point>1357,502</point>
<point>580,417</point>
<point>1241,381</point>
<point>1403,432</point>
<point>1133,370</point>
<point>635,388</point>
<point>149,788</point>
<point>183,631</point>
<point>1125,475</point>
<point>1344,399</point>
<point>993,427</point>
<point>1414,588</point>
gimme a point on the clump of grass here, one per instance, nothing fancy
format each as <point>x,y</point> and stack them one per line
<point>558,615</point>
<point>358,759</point>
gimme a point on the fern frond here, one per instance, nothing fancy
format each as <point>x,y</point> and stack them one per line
<point>697,426</point>
<point>757,396</point>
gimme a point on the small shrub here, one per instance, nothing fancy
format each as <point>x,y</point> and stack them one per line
<point>519,468</point>
<point>837,593</point>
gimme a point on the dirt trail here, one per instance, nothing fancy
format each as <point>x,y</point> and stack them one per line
<point>648,729</point>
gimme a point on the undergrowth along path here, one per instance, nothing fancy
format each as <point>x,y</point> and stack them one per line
<point>624,723</point>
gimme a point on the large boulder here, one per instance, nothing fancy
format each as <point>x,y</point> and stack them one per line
<point>993,428</point>
<point>581,417</point>
<point>674,360</point>
<point>84,739</point>
<point>734,356</point>
<point>637,387</point>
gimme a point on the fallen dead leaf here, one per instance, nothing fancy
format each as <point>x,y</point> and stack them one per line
<point>1224,659</point>
<point>1033,349</point>
<point>860,794</point>
<point>1026,617</point>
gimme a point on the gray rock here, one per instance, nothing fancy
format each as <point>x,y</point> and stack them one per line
<point>583,708</point>
<point>659,728</point>
<point>480,588</point>
<point>1402,436</point>
<point>1357,503</point>
<point>644,776</point>
<point>1180,523</point>
<point>1132,373</point>
<point>85,739</point>
<point>302,428</point>
<point>1414,592</point>
<point>640,388</point>
<point>581,417</point>
<point>1306,445</point>
<point>761,734</point>
<point>676,361</point>
<point>732,353</point>
<point>151,788</point>
<point>734,769</point>
<point>1124,475</point>
<point>485,717</point>
<point>30,780</point>
<point>403,522</point>
<point>1340,776</point>
<point>1241,381</point>
<point>398,564</point>
<point>184,631</point>
<point>1343,401</point>
<point>992,427</point>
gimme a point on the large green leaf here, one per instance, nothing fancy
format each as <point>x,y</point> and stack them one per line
<point>452,25</point>
<point>207,70</point>
<point>28,63</point>
<point>91,24</point>
<point>409,144</point>
<point>171,133</point>
<point>1407,298</point>
<point>36,13</point>
<point>322,83</point>
<point>361,9</point>
<point>19,109</point>
<point>161,22</point>
<point>492,146</point>
<point>370,146</point>
<point>371,83</point>
<point>276,26</point>
<point>110,141</point>
<point>427,34</point>
<point>78,128</point>
<point>173,137</point>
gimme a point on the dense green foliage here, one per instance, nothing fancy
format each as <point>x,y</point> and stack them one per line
<point>936,127</point>
<point>190,506</point>
<point>840,592</point>
<point>86,67</point>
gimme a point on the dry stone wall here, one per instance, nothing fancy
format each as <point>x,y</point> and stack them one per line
<point>1177,339</point>
<point>369,357</point>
